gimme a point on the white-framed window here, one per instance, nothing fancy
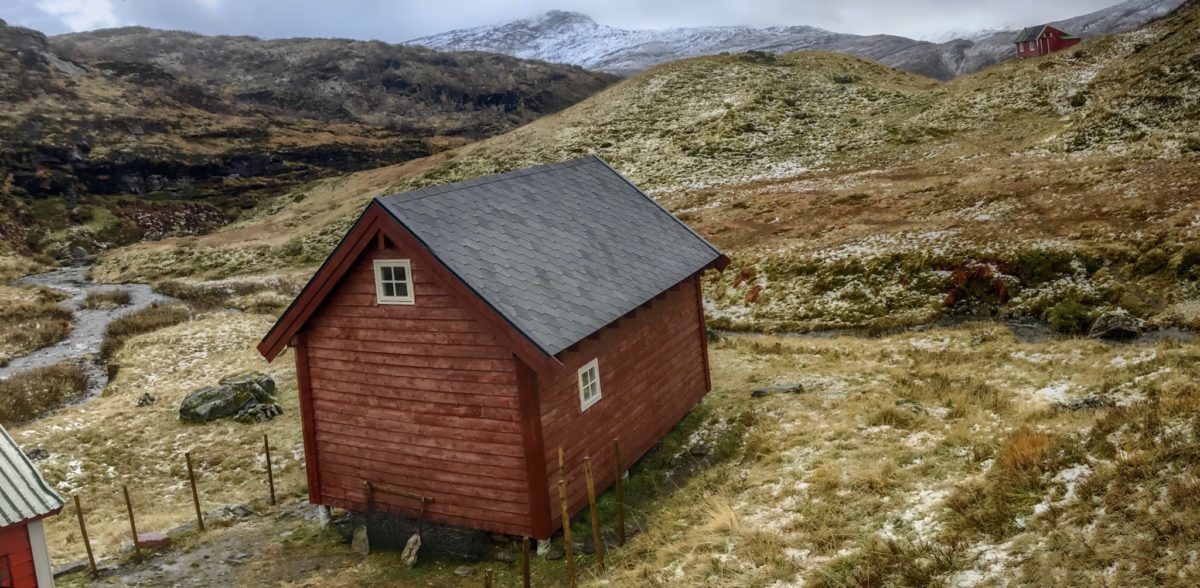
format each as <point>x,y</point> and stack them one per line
<point>589,385</point>
<point>393,281</point>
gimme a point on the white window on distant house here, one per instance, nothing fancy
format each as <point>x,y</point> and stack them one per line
<point>589,385</point>
<point>393,281</point>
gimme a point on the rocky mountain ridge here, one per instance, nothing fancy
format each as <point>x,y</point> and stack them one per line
<point>569,37</point>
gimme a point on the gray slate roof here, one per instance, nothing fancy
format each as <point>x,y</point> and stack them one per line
<point>560,250</point>
<point>1030,34</point>
<point>24,494</point>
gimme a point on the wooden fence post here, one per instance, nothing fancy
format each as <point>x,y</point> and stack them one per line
<point>270,473</point>
<point>137,548</point>
<point>620,494</point>
<point>195,493</point>
<point>597,541</point>
<point>487,578</point>
<point>568,543</point>
<point>87,544</point>
<point>525,563</point>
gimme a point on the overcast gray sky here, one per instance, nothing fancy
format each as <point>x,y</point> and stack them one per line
<point>400,20</point>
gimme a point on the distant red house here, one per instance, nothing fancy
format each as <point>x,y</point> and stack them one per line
<point>460,334</point>
<point>25,499</point>
<point>1043,40</point>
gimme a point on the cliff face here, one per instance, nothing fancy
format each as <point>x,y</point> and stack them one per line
<point>171,116</point>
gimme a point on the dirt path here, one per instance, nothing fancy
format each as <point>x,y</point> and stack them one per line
<point>224,555</point>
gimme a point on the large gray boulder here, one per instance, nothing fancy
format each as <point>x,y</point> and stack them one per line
<point>249,393</point>
<point>1116,325</point>
<point>261,385</point>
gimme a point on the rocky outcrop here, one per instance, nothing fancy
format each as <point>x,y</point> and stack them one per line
<point>230,121</point>
<point>1116,325</point>
<point>246,397</point>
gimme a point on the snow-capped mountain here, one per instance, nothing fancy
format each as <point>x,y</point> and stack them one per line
<point>571,37</point>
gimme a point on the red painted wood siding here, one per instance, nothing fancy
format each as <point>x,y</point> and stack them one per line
<point>421,398</point>
<point>652,372</point>
<point>14,544</point>
<point>1049,41</point>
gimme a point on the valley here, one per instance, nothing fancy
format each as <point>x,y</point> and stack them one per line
<point>886,230</point>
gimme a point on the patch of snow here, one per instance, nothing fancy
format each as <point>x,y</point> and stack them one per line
<point>1053,393</point>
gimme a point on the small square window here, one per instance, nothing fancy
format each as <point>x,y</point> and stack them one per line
<point>393,281</point>
<point>589,385</point>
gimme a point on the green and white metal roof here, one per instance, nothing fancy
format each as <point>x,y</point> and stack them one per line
<point>24,493</point>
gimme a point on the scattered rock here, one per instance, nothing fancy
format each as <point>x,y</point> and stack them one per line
<point>1086,403</point>
<point>778,389</point>
<point>239,559</point>
<point>1116,325</point>
<point>911,406</point>
<point>556,553</point>
<point>147,399</point>
<point>153,541</point>
<point>464,571</point>
<point>411,549</point>
<point>699,450</point>
<point>37,454</point>
<point>248,397</point>
<point>258,413</point>
<point>543,547</point>
<point>361,543</point>
<point>505,556</point>
<point>584,547</point>
<point>72,568</point>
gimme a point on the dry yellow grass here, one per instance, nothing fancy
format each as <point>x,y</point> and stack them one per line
<point>98,446</point>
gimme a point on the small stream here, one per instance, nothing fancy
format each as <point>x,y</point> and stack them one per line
<point>83,344</point>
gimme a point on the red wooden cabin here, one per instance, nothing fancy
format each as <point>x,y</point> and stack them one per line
<point>1043,40</point>
<point>25,499</point>
<point>460,334</point>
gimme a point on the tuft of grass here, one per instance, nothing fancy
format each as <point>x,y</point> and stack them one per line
<point>1024,450</point>
<point>1069,317</point>
<point>266,297</point>
<point>992,506</point>
<point>152,318</point>
<point>893,417</point>
<point>30,320</point>
<point>27,395</point>
<point>107,299</point>
<point>893,563</point>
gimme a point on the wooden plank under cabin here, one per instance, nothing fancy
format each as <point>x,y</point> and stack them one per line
<point>650,377</point>
<point>418,397</point>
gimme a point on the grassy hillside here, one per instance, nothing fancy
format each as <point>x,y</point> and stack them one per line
<point>848,193</point>
<point>849,196</point>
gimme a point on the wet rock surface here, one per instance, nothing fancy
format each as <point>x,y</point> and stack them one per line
<point>1116,325</point>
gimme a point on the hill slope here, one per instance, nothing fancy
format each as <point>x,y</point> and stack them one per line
<point>567,37</point>
<point>206,125</point>
<point>849,194</point>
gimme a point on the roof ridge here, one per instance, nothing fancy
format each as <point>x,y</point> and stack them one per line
<point>488,179</point>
